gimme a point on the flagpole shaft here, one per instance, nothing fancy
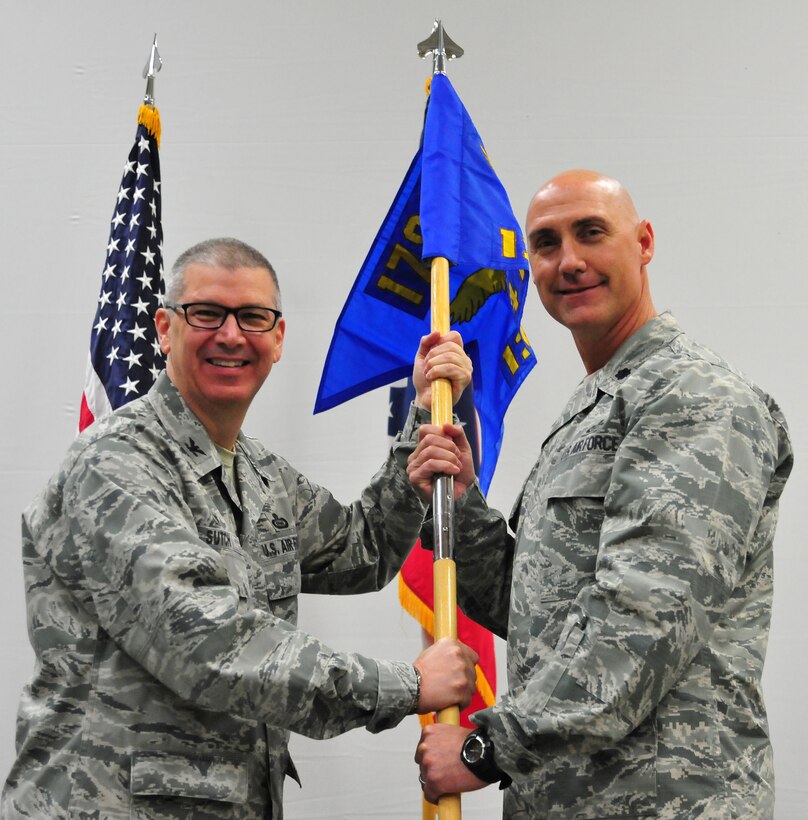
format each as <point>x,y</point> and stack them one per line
<point>429,811</point>
<point>442,388</point>
<point>445,585</point>
<point>444,576</point>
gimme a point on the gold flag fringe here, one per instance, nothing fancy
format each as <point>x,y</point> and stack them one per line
<point>150,118</point>
<point>416,608</point>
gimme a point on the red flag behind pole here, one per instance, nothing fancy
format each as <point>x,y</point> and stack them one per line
<point>416,596</point>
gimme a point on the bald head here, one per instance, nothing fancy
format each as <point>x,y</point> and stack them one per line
<point>581,182</point>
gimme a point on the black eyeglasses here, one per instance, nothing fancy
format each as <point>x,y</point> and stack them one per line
<point>210,316</point>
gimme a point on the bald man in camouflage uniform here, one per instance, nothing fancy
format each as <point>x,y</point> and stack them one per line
<point>633,581</point>
<point>162,566</point>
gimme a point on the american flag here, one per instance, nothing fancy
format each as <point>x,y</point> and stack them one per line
<point>125,356</point>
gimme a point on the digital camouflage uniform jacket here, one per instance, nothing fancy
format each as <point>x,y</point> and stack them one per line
<point>162,608</point>
<point>636,593</point>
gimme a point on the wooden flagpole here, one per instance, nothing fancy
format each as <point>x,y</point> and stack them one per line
<point>441,47</point>
<point>443,567</point>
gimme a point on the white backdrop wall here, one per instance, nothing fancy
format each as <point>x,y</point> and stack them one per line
<point>290,125</point>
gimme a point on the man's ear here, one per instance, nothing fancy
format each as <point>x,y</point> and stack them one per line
<point>279,330</point>
<point>646,239</point>
<point>162,321</point>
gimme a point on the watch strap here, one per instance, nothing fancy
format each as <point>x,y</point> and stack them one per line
<point>485,768</point>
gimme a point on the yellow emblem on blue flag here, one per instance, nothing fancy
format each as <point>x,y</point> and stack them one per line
<point>450,204</point>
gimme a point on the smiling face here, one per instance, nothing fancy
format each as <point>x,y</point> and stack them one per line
<point>218,372</point>
<point>588,253</point>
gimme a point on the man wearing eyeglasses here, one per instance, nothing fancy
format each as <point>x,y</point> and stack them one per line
<point>162,567</point>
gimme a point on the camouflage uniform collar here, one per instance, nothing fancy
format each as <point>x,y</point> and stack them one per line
<point>182,425</point>
<point>654,334</point>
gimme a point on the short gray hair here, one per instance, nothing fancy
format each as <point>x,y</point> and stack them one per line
<point>223,252</point>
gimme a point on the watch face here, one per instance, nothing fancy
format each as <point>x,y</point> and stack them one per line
<point>473,749</point>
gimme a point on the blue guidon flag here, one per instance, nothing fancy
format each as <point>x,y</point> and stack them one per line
<point>125,356</point>
<point>451,204</point>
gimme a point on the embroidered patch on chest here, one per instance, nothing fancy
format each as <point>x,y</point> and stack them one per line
<point>217,537</point>
<point>597,442</point>
<point>279,546</point>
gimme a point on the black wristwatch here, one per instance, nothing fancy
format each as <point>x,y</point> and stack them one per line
<point>477,754</point>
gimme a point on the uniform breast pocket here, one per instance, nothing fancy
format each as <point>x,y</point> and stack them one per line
<point>279,562</point>
<point>570,528</point>
<point>162,783</point>
<point>282,578</point>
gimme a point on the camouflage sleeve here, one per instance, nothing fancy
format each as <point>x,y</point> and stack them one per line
<point>359,547</point>
<point>687,491</point>
<point>483,557</point>
<point>483,546</point>
<point>168,600</point>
